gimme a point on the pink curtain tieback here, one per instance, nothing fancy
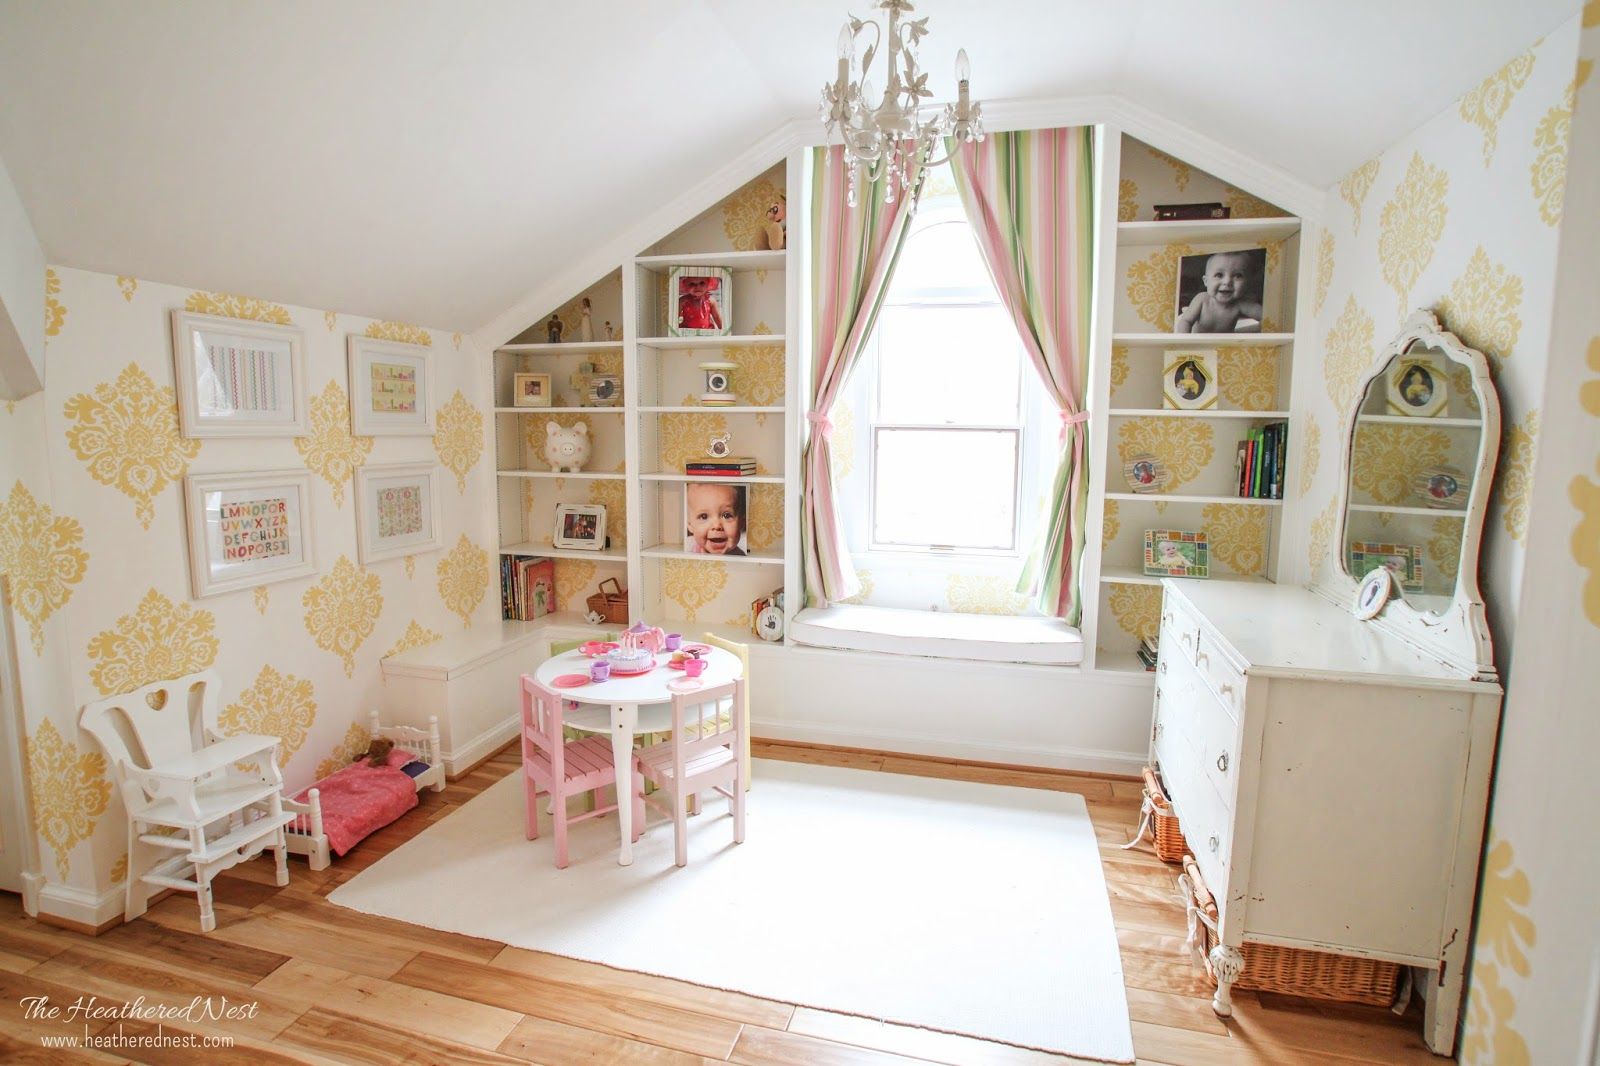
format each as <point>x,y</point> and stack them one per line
<point>1072,420</point>
<point>820,421</point>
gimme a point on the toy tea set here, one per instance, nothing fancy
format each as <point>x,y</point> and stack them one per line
<point>635,654</point>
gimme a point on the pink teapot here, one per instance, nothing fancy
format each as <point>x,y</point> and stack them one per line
<point>650,638</point>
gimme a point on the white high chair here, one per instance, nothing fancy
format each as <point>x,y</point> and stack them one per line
<point>175,770</point>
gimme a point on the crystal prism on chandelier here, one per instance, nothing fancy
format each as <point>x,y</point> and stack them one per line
<point>894,139</point>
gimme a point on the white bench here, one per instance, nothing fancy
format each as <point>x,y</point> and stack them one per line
<point>939,634</point>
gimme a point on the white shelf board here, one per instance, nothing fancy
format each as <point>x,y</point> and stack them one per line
<point>766,556</point>
<point>563,348</point>
<point>582,475</point>
<point>737,634</point>
<point>732,340</point>
<point>1162,412</point>
<point>1207,230</point>
<point>1441,512</point>
<point>749,479</point>
<point>660,264</point>
<point>563,553</point>
<point>1167,497</point>
<point>1128,575</point>
<point>1121,662</point>
<point>737,409</point>
<point>1203,340</point>
<point>1428,423</point>
<point>554,410</point>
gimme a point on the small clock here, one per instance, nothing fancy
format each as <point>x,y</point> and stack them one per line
<point>720,447</point>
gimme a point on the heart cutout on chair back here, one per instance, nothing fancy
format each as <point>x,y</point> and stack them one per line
<point>156,699</point>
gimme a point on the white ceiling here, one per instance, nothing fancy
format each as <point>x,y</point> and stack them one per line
<point>431,161</point>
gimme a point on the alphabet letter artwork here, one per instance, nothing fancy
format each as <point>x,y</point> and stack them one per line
<point>254,529</point>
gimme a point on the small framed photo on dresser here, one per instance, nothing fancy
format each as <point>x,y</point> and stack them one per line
<point>391,388</point>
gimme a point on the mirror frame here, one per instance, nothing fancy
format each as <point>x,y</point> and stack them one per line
<point>1460,634</point>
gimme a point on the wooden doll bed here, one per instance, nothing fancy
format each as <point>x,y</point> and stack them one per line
<point>307,835</point>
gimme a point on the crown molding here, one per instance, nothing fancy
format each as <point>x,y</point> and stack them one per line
<point>1235,167</point>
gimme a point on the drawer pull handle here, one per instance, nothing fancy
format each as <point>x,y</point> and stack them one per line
<point>1163,666</point>
<point>1160,728</point>
<point>1215,844</point>
<point>1225,689</point>
<point>1222,762</point>
<point>1202,659</point>
<point>1186,638</point>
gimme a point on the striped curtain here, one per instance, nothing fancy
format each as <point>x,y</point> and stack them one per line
<point>1030,198</point>
<point>853,254</point>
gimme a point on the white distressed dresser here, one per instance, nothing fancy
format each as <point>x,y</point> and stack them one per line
<point>1331,781</point>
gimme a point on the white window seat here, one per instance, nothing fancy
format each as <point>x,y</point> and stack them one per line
<point>939,634</point>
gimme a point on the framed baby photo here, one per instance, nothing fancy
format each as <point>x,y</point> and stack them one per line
<point>715,518</point>
<point>238,378</point>
<point>581,526</point>
<point>1176,553</point>
<point>391,388</point>
<point>1402,560</point>
<point>398,511</point>
<point>530,390</point>
<point>1220,292</point>
<point>699,302</point>
<point>1189,381</point>
<point>1418,386</point>
<point>247,529</point>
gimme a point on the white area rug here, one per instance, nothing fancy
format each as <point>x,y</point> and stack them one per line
<point>973,909</point>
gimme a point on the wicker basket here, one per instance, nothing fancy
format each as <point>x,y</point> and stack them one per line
<point>1290,971</point>
<point>611,605</point>
<point>1170,845</point>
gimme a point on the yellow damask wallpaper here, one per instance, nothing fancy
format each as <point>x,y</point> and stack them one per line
<point>40,553</point>
<point>1185,445</point>
<point>464,578</point>
<point>342,610</point>
<point>159,640</point>
<point>126,432</point>
<point>1411,225</point>
<point>332,451</point>
<point>276,704</point>
<point>232,305</point>
<point>1486,105</point>
<point>71,791</point>
<point>458,438</point>
<point>399,331</point>
<point>1482,307</point>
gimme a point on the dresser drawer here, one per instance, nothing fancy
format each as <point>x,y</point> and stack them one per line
<point>1191,729</point>
<point>1180,630</point>
<point>1224,679</point>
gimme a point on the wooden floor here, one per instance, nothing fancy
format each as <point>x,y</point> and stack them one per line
<point>337,986</point>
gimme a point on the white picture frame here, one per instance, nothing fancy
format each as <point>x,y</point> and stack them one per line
<point>398,511</point>
<point>716,518</point>
<point>581,526</point>
<point>391,388</point>
<point>238,378</point>
<point>1189,380</point>
<point>699,301</point>
<point>248,529</point>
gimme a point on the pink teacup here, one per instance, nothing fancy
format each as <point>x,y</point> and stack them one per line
<point>693,667</point>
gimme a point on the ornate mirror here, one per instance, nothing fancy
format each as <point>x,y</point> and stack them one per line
<point>1419,460</point>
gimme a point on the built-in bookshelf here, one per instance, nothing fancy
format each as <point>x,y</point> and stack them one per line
<point>1198,449</point>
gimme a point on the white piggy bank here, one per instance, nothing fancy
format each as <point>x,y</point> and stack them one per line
<point>566,450</point>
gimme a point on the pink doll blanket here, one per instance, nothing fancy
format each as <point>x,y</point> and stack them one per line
<point>362,799</point>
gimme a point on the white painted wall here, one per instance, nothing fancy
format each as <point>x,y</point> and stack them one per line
<point>22,267</point>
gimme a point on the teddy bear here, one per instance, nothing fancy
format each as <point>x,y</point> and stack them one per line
<point>566,450</point>
<point>776,225</point>
<point>377,753</point>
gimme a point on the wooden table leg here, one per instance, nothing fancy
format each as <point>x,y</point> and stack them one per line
<point>624,720</point>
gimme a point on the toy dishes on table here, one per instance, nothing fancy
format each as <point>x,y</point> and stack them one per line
<point>693,667</point>
<point>599,670</point>
<point>674,640</point>
<point>684,684</point>
<point>569,681</point>
<point>596,648</point>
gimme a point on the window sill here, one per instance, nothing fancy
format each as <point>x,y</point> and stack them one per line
<point>939,634</point>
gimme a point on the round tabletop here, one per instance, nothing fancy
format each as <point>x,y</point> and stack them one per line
<point>639,689</point>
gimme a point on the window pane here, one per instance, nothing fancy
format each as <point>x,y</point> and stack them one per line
<point>957,365</point>
<point>947,487</point>
<point>943,257</point>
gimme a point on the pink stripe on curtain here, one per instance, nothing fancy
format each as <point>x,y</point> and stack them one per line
<point>854,250</point>
<point>1030,198</point>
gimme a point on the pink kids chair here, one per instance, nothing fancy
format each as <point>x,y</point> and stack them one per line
<point>562,768</point>
<point>707,740</point>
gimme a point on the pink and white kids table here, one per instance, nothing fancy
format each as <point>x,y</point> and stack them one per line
<point>627,707</point>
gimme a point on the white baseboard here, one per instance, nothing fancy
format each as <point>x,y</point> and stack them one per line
<point>32,885</point>
<point>481,746</point>
<point>79,905</point>
<point>1080,759</point>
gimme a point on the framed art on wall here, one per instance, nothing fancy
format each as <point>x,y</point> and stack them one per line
<point>238,378</point>
<point>700,302</point>
<point>391,388</point>
<point>398,511</point>
<point>1220,292</point>
<point>248,529</point>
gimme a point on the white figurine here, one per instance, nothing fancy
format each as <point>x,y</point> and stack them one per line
<point>585,327</point>
<point>611,334</point>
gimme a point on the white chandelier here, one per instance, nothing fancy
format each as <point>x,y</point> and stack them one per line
<point>888,139</point>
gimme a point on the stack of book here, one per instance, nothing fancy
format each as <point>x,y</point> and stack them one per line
<point>527,587</point>
<point>728,466</point>
<point>1147,653</point>
<point>1260,462</point>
